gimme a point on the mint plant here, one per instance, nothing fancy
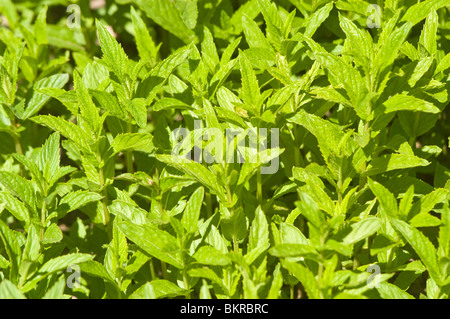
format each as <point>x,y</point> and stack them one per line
<point>224,149</point>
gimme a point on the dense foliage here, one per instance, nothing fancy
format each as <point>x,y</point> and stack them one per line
<point>96,201</point>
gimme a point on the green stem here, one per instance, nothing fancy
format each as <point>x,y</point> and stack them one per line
<point>186,285</point>
<point>208,204</point>
<point>259,187</point>
<point>17,144</point>
<point>164,270</point>
<point>152,270</point>
<point>43,217</point>
<point>235,244</point>
<point>129,154</point>
<point>19,149</point>
<point>106,216</point>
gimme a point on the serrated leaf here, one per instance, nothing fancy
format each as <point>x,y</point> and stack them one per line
<point>362,230</point>
<point>250,86</point>
<point>15,207</point>
<point>420,10</point>
<point>38,100</point>
<point>19,187</point>
<point>422,246</point>
<point>306,277</point>
<point>390,291</point>
<point>67,129</point>
<point>158,243</point>
<point>168,17</point>
<point>386,199</point>
<point>10,291</point>
<point>196,171</point>
<point>113,53</point>
<point>192,211</point>
<point>63,262</point>
<point>49,157</point>
<point>145,45</point>
<point>208,255</point>
<point>133,141</point>
<point>52,235</point>
<point>392,162</point>
<point>403,102</point>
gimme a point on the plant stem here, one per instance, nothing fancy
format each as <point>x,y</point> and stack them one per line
<point>152,270</point>
<point>43,217</point>
<point>164,270</point>
<point>235,244</point>
<point>129,154</point>
<point>208,204</point>
<point>186,285</point>
<point>259,187</point>
<point>106,217</point>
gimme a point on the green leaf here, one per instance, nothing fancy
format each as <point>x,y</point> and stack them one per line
<point>344,74</point>
<point>145,45</point>
<point>66,128</point>
<point>19,187</point>
<point>443,65</point>
<point>57,290</point>
<point>49,157</point>
<point>196,171</point>
<point>95,269</point>
<point>32,245</point>
<point>422,246</point>
<point>292,250</point>
<point>74,200</point>
<point>208,255</point>
<point>310,210</point>
<point>40,27</point>
<point>209,50</point>
<point>52,235</point>
<point>133,141</point>
<point>254,36</point>
<point>158,289</point>
<point>38,100</point>
<point>208,274</point>
<point>12,247</point>
<point>315,188</point>
<point>429,33</point>
<point>429,201</point>
<point>88,110</point>
<point>420,10</point>
<point>313,22</point>
<point>15,207</point>
<point>403,102</point>
<point>392,162</point>
<point>9,291</point>
<point>362,230</point>
<point>274,24</point>
<point>158,243</point>
<point>386,199</point>
<point>168,17</point>
<point>390,291</point>
<point>113,53</point>
<point>327,134</point>
<point>192,211</point>
<point>389,46</point>
<point>153,82</point>
<point>359,41</point>
<point>250,86</point>
<point>62,262</point>
<point>170,103</point>
<point>306,277</point>
<point>259,232</point>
